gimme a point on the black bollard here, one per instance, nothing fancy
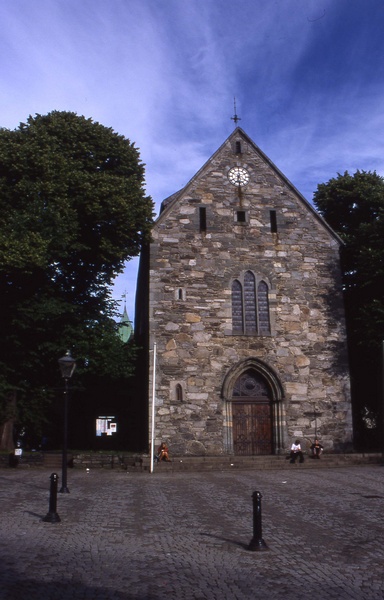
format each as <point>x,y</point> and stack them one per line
<point>257,542</point>
<point>52,516</point>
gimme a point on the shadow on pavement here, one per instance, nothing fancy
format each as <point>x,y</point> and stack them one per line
<point>15,588</point>
<point>227,540</point>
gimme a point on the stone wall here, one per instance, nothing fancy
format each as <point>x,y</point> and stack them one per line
<point>190,313</point>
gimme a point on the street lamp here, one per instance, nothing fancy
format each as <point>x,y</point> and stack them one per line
<point>67,366</point>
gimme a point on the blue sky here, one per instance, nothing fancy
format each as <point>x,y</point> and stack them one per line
<point>308,76</point>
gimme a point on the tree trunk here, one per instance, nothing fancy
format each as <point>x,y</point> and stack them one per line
<point>6,429</point>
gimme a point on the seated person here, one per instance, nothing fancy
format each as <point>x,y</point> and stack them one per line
<point>296,452</point>
<point>162,453</point>
<point>316,448</point>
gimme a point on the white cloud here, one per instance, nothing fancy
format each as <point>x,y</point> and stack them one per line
<point>307,75</point>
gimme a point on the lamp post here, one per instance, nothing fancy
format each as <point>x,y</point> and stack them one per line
<point>153,408</point>
<point>67,366</point>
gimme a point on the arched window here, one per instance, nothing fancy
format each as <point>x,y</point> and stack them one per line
<point>250,305</point>
<point>180,294</point>
<point>179,392</point>
<point>263,308</point>
<point>237,307</point>
<point>250,302</point>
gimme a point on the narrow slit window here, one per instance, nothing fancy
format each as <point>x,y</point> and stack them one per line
<point>179,294</point>
<point>203,218</point>
<point>179,392</point>
<point>238,148</point>
<point>272,216</point>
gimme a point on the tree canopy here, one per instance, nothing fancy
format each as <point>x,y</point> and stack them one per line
<point>354,207</point>
<point>73,210</point>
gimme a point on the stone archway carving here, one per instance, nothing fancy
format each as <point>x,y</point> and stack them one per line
<point>276,395</point>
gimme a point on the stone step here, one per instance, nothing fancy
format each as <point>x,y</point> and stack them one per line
<point>141,462</point>
<point>220,463</point>
<point>54,460</point>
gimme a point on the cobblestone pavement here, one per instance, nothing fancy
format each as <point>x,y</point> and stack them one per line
<point>183,536</point>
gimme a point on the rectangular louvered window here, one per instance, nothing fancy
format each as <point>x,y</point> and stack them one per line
<point>241,216</point>
<point>203,219</point>
<point>273,219</point>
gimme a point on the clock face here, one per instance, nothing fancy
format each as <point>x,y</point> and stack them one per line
<point>238,176</point>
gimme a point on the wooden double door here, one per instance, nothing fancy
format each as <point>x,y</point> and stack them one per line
<point>252,416</point>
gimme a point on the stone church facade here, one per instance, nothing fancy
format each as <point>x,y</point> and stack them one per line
<point>239,293</point>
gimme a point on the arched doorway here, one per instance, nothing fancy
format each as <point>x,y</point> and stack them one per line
<point>254,409</point>
<point>252,415</point>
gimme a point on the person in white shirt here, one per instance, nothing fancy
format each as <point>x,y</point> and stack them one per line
<point>296,452</point>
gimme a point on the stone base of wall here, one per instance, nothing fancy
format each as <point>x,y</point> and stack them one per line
<point>141,462</point>
<point>52,460</point>
<point>27,459</point>
<point>106,461</point>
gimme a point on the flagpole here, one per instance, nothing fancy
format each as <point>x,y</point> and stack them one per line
<point>153,407</point>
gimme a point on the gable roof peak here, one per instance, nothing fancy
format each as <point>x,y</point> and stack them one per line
<point>238,131</point>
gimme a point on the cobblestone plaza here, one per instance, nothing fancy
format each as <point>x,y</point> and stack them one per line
<point>136,536</point>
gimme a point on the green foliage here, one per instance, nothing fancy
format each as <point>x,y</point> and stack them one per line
<point>72,211</point>
<point>354,207</point>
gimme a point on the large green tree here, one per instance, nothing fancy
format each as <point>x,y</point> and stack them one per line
<point>354,206</point>
<point>73,210</point>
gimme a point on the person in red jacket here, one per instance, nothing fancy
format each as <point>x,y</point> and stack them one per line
<point>163,453</point>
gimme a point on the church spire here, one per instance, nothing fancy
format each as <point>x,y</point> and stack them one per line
<point>125,326</point>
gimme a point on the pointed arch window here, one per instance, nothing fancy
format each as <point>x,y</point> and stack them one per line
<point>237,307</point>
<point>250,305</point>
<point>263,308</point>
